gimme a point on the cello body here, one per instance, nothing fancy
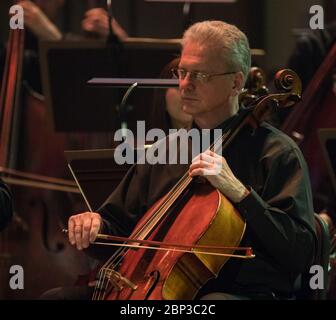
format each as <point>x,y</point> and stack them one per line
<point>174,275</point>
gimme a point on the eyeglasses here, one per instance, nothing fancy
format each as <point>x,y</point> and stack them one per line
<point>196,75</point>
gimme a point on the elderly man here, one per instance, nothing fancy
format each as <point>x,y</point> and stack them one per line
<point>263,174</point>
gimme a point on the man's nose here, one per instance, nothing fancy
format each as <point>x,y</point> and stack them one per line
<point>186,82</point>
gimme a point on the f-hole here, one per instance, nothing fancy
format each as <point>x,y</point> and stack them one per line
<point>155,275</point>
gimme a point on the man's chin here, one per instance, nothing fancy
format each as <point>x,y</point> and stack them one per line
<point>189,109</point>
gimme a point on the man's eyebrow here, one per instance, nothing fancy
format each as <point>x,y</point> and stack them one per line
<point>190,69</point>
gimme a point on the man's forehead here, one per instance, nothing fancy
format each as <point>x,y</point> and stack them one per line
<point>195,54</point>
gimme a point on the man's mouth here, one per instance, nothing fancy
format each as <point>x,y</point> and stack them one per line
<point>188,99</point>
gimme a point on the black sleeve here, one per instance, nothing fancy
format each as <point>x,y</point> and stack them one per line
<point>6,211</point>
<point>282,217</point>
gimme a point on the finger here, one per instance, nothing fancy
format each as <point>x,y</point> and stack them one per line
<point>71,231</point>
<point>96,11</point>
<point>101,23</point>
<point>200,172</point>
<point>206,156</point>
<point>213,170</point>
<point>205,162</point>
<point>28,21</point>
<point>95,227</point>
<point>25,5</point>
<point>100,27</point>
<point>87,25</point>
<point>201,164</point>
<point>90,12</point>
<point>78,235</point>
<point>200,157</point>
<point>196,159</point>
<point>215,155</point>
<point>210,153</point>
<point>86,231</point>
<point>93,19</point>
<point>217,168</point>
<point>30,8</point>
<point>27,11</point>
<point>194,166</point>
<point>96,27</point>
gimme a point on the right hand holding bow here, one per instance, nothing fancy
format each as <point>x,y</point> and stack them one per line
<point>83,229</point>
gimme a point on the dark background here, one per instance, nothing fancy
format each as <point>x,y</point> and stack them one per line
<point>269,24</point>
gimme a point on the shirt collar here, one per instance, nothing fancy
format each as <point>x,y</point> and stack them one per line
<point>225,125</point>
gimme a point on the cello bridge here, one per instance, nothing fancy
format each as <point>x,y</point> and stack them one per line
<point>118,281</point>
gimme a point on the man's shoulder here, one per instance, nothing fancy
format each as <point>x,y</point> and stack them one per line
<point>278,140</point>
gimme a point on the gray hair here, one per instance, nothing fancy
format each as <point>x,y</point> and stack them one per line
<point>228,38</point>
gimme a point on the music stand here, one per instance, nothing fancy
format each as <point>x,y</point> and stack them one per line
<point>328,144</point>
<point>127,82</point>
<point>66,66</point>
<point>97,173</point>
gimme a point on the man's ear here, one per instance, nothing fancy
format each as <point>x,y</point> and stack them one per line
<point>238,82</point>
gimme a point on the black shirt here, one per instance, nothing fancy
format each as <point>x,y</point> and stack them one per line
<point>278,210</point>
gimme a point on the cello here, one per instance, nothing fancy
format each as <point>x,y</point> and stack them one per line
<point>171,272</point>
<point>31,158</point>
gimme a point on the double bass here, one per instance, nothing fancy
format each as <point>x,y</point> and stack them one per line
<point>166,259</point>
<point>32,163</point>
